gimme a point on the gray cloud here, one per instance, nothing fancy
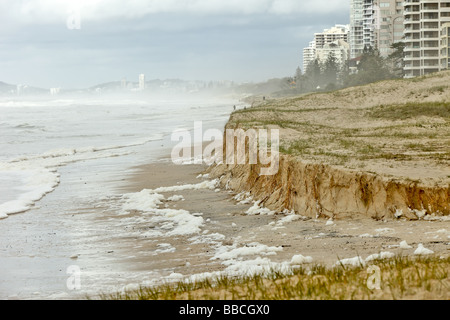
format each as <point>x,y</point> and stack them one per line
<point>236,40</point>
<point>34,11</point>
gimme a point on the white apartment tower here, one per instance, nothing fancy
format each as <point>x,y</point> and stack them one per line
<point>424,22</point>
<point>339,49</point>
<point>356,28</point>
<point>369,20</point>
<point>309,54</point>
<point>363,23</point>
<point>445,46</point>
<point>141,82</point>
<point>338,32</point>
<point>333,39</point>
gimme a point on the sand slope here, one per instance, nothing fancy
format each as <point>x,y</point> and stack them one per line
<point>381,150</point>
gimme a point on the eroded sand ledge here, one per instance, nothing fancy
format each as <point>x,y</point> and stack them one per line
<point>319,190</point>
<point>380,151</point>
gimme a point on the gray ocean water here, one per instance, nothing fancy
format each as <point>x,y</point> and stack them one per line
<point>58,158</point>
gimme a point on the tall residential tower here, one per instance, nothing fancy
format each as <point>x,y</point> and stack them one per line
<point>333,40</point>
<point>356,28</point>
<point>445,46</point>
<point>375,23</point>
<point>309,54</point>
<point>425,22</point>
<point>389,25</point>
<point>141,82</point>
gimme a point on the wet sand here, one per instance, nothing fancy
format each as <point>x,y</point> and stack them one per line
<point>113,252</point>
<point>324,241</point>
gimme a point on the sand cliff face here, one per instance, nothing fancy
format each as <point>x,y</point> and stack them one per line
<point>318,190</point>
<point>380,151</point>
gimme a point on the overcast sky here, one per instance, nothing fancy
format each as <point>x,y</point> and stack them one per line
<point>80,43</point>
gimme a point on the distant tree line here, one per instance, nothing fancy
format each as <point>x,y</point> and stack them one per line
<point>331,75</point>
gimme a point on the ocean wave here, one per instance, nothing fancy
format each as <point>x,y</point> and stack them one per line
<point>36,183</point>
<point>39,172</point>
<point>20,103</point>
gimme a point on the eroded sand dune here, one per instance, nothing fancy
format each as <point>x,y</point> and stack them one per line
<point>380,150</point>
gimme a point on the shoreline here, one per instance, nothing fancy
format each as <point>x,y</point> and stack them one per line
<point>320,205</point>
<point>118,256</point>
<point>253,241</point>
<point>119,251</point>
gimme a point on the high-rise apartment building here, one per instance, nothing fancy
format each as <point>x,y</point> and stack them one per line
<point>369,20</point>
<point>375,23</point>
<point>334,40</point>
<point>339,49</point>
<point>356,28</point>
<point>389,25</point>
<point>445,46</point>
<point>309,54</point>
<point>141,82</point>
<point>362,26</point>
<point>424,21</point>
<point>338,32</point>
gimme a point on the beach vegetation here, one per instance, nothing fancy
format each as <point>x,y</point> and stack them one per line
<point>411,110</point>
<point>401,277</point>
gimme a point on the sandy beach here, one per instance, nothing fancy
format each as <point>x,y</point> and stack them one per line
<point>359,179</point>
<point>251,240</point>
<point>117,251</point>
<point>143,220</point>
<point>213,150</point>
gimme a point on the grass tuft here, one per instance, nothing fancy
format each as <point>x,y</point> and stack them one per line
<point>401,277</point>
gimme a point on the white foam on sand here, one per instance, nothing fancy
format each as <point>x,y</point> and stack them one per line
<point>254,266</point>
<point>419,213</point>
<point>164,248</point>
<point>300,259</point>
<point>257,209</point>
<point>421,250</point>
<point>210,238</point>
<point>144,200</point>
<point>380,256</point>
<point>355,261</point>
<point>359,261</point>
<point>238,259</point>
<point>289,218</point>
<point>248,260</point>
<point>404,245</point>
<point>176,198</point>
<point>234,252</point>
<point>209,184</point>
<point>243,260</point>
<point>243,197</point>
<point>169,222</point>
